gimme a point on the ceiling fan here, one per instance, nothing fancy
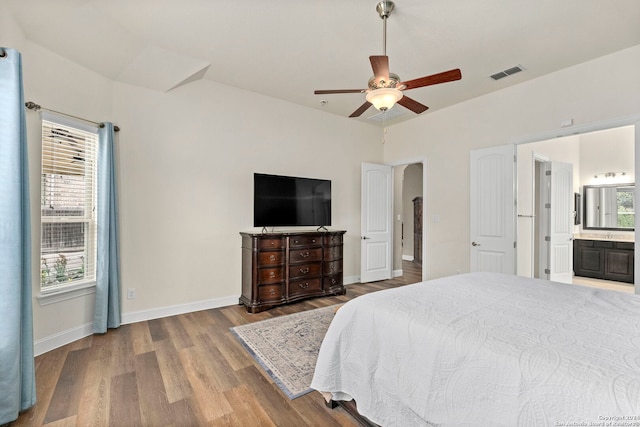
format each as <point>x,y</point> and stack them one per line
<point>385,88</point>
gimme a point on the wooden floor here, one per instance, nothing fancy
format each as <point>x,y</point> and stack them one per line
<point>185,370</point>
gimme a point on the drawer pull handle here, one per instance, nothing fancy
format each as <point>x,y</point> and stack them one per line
<point>304,270</point>
<point>272,258</point>
<point>305,254</point>
<point>313,240</point>
<point>333,281</point>
<point>304,285</point>
<point>295,241</point>
<point>331,267</point>
<point>272,275</point>
<point>272,292</point>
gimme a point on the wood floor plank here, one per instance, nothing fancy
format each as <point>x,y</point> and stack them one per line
<point>141,340</point>
<point>175,380</point>
<point>66,397</point>
<point>187,414</point>
<point>225,374</point>
<point>269,396</point>
<point>157,330</point>
<point>124,408</point>
<point>186,370</point>
<point>122,355</point>
<point>177,333</point>
<point>154,406</point>
<point>243,401</point>
<point>206,392</point>
<point>94,402</point>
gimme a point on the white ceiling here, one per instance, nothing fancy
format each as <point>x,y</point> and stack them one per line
<point>288,48</point>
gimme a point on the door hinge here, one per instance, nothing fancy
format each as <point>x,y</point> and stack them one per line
<point>514,245</point>
<point>547,238</point>
<point>547,205</point>
<point>547,271</point>
<point>547,173</point>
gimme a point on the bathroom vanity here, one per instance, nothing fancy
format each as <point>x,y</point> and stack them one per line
<point>603,258</point>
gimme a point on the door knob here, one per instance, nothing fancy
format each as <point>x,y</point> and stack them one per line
<point>475,244</point>
<point>365,237</point>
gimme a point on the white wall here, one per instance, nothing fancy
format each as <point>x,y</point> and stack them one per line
<point>607,151</point>
<point>596,91</point>
<point>186,160</point>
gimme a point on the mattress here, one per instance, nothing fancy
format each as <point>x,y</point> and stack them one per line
<point>486,349</point>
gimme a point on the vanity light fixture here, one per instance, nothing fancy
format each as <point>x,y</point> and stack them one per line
<point>609,174</point>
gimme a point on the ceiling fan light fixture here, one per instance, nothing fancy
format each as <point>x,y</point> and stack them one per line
<point>384,98</point>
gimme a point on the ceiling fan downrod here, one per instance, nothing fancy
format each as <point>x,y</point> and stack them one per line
<point>384,9</point>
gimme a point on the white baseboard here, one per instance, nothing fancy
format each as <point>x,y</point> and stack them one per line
<point>66,337</point>
<point>351,279</point>
<point>397,273</point>
<point>61,338</point>
<point>407,257</point>
<point>157,313</point>
<point>70,335</point>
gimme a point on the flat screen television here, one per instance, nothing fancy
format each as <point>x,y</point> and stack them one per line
<point>290,201</point>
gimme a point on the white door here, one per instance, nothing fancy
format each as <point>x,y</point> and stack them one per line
<point>560,214</point>
<point>376,222</point>
<point>492,210</point>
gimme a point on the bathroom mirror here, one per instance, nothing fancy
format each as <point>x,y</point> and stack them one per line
<point>609,207</point>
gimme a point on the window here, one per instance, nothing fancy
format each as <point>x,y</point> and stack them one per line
<point>68,204</point>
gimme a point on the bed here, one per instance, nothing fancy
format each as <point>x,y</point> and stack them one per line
<point>486,349</point>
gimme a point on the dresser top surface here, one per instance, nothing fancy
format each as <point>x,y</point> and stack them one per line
<point>290,233</point>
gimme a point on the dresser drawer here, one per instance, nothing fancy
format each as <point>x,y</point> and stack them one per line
<point>305,270</point>
<point>305,255</point>
<point>271,258</point>
<point>305,286</point>
<point>332,253</point>
<point>270,275</point>
<point>329,282</point>
<point>267,243</point>
<point>271,292</point>
<point>297,241</point>
<point>333,239</point>
<point>333,267</point>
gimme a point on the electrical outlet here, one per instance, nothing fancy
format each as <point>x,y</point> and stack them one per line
<point>131,293</point>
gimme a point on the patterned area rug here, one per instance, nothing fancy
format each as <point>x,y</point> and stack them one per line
<point>287,346</point>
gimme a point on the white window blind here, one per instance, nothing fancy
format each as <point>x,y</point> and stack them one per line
<point>68,205</point>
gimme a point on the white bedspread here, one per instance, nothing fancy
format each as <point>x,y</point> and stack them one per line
<point>486,349</point>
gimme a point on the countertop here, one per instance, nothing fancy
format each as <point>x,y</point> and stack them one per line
<point>610,237</point>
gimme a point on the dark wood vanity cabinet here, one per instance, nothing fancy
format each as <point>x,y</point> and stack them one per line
<point>278,268</point>
<point>603,259</point>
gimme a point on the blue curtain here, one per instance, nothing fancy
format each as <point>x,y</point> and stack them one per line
<point>107,311</point>
<point>17,371</point>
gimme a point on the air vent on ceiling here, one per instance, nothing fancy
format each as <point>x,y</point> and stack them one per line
<point>507,72</point>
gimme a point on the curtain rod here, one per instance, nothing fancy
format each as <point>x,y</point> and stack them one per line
<point>35,107</point>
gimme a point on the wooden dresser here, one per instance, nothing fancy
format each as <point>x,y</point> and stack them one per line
<point>278,268</point>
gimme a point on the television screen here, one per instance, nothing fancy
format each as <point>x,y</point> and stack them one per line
<point>290,201</point>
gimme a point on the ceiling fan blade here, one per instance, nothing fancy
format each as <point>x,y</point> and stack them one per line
<point>325,92</point>
<point>380,65</point>
<point>364,107</point>
<point>412,105</point>
<point>434,79</point>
